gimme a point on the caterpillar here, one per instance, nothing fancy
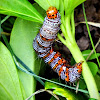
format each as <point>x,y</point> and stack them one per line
<point>42,44</point>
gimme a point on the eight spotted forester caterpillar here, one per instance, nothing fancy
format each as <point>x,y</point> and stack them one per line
<point>42,44</point>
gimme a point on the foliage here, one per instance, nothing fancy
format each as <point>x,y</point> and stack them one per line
<point>13,82</point>
<point>20,8</point>
<point>9,79</point>
<point>68,94</point>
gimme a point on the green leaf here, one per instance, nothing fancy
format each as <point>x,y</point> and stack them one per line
<point>20,8</point>
<point>70,5</point>
<point>9,80</point>
<point>93,67</point>
<point>21,41</point>
<point>39,9</point>
<point>49,85</point>
<point>45,4</point>
<point>82,84</point>
<point>61,8</point>
<point>87,52</point>
<point>97,79</point>
<point>64,92</point>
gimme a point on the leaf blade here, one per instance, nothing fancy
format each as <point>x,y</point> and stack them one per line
<point>21,41</point>
<point>48,3</point>
<point>9,80</point>
<point>20,8</point>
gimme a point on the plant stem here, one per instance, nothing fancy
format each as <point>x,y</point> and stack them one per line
<point>87,75</point>
<point>75,51</point>
<point>5,19</point>
<point>68,28</point>
<point>73,23</point>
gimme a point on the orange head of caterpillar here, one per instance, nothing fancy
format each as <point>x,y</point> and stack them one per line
<point>52,12</point>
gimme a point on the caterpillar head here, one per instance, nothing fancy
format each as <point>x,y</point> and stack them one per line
<point>52,12</point>
<point>74,73</point>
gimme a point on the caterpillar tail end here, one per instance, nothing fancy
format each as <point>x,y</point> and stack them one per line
<point>75,72</point>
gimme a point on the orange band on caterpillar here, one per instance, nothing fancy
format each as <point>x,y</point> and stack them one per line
<point>42,44</point>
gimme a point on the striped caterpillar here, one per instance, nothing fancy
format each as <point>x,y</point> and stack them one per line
<point>42,44</point>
